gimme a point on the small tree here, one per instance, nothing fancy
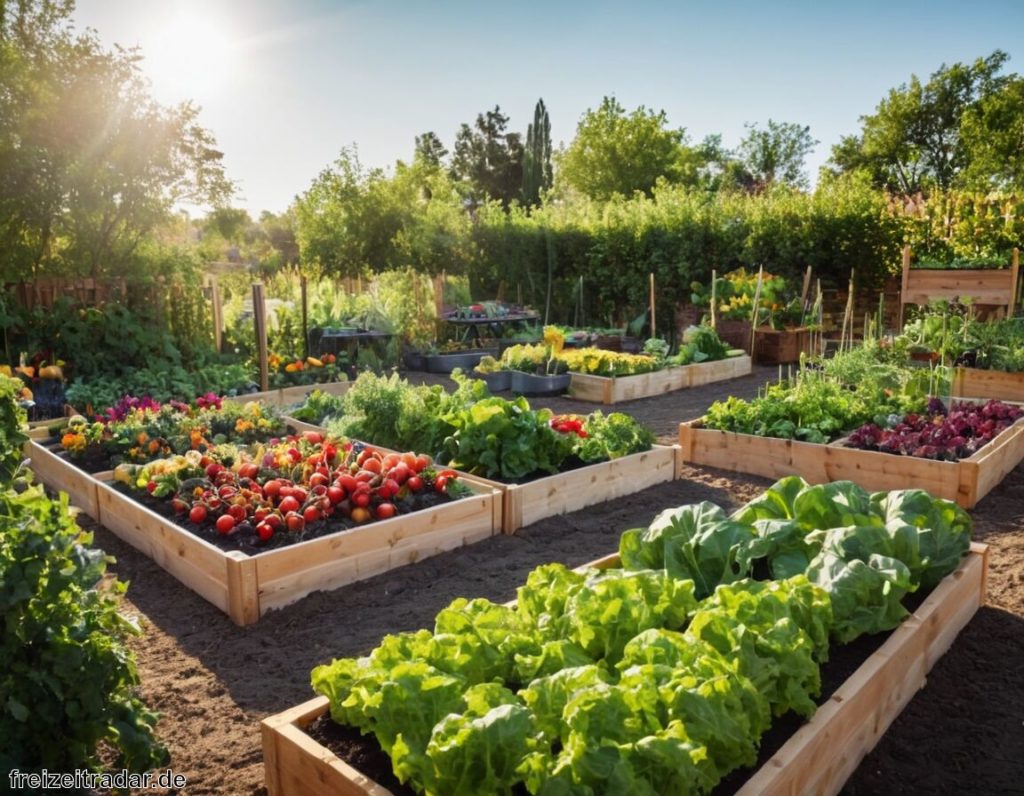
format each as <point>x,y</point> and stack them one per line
<point>775,156</point>
<point>537,172</point>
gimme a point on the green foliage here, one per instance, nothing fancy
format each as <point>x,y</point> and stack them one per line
<point>537,173</point>
<point>615,153</point>
<point>318,407</point>
<point>775,156</point>
<point>81,192</point>
<point>12,420</point>
<point>162,383</point>
<point>68,682</point>
<point>612,436</point>
<point>955,130</point>
<point>621,680</point>
<point>488,161</point>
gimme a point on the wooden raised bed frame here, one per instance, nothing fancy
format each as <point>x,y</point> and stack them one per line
<point>613,390</point>
<point>524,504</point>
<point>977,383</point>
<point>966,481</point>
<point>246,587</point>
<point>818,758</point>
<point>61,475</point>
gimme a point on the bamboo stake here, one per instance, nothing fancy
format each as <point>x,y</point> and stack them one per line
<point>757,300</point>
<point>218,314</point>
<point>259,317</point>
<point>654,324</point>
<point>714,299</point>
<point>305,315</point>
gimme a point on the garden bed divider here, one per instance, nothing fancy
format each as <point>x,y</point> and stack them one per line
<point>818,758</point>
<point>611,390</point>
<point>966,481</point>
<point>246,587</point>
<point>289,395</point>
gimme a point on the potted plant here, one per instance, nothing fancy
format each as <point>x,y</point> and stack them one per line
<point>453,354</point>
<point>493,373</point>
<point>537,369</point>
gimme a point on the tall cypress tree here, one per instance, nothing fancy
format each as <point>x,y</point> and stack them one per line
<point>537,156</point>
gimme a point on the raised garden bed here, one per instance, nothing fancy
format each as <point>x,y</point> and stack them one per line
<point>284,396</point>
<point>467,360</point>
<point>61,475</point>
<point>966,481</point>
<point>818,758</point>
<point>532,384</point>
<point>781,346</point>
<point>612,390</point>
<point>549,496</point>
<point>978,383</point>
<point>247,586</point>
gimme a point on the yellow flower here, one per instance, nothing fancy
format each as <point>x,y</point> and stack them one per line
<point>554,339</point>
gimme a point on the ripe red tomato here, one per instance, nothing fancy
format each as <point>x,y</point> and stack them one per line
<point>311,514</point>
<point>386,511</point>
<point>248,470</point>
<point>388,489</point>
<point>272,488</point>
<point>288,505</point>
<point>415,483</point>
<point>238,513</point>
<point>335,494</point>
<point>441,484</point>
<point>318,479</point>
<point>401,473</point>
<point>422,462</point>
<point>313,437</point>
<point>213,470</point>
<point>347,482</point>
<point>197,514</point>
<point>265,531</point>
<point>225,524</point>
<point>361,499</point>
<point>372,465</point>
<point>295,521</point>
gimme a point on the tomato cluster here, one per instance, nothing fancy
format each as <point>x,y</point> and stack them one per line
<point>303,480</point>
<point>569,424</point>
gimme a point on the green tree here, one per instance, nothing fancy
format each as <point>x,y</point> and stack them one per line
<point>430,150</point>
<point>90,164</point>
<point>775,156</point>
<point>925,135</point>
<point>537,175</point>
<point>488,161</point>
<point>993,134</point>
<point>619,153</point>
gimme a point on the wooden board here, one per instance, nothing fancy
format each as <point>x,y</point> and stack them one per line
<point>993,286</point>
<point>976,383</point>
<point>246,587</point>
<point>818,758</point>
<point>289,395</point>
<point>61,475</point>
<point>557,494</point>
<point>966,481</point>
<point>613,390</point>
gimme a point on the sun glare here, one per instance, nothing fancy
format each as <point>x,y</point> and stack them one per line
<point>191,57</point>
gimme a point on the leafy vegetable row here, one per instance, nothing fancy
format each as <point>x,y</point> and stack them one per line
<point>661,676</point>
<point>471,430</point>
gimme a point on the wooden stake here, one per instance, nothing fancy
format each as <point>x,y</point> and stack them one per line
<point>305,315</point>
<point>714,299</point>
<point>904,288</point>
<point>259,317</point>
<point>218,314</point>
<point>757,300</point>
<point>654,325</point>
<point>1014,270</point>
<point>806,287</point>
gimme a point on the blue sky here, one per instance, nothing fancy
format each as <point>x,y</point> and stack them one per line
<point>290,83</point>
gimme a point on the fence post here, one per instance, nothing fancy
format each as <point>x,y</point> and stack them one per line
<point>218,314</point>
<point>305,315</point>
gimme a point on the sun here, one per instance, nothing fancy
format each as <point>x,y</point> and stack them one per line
<point>191,57</point>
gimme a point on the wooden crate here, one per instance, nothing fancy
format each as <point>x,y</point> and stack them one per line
<point>966,481</point>
<point>818,758</point>
<point>61,475</point>
<point>246,587</point>
<point>612,390</point>
<point>524,504</point>
<point>978,383</point>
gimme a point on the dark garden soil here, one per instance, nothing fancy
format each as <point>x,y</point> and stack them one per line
<point>213,682</point>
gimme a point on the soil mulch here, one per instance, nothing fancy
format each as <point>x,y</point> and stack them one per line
<point>213,682</point>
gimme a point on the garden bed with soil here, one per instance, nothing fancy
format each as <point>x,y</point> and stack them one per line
<point>615,390</point>
<point>214,682</point>
<point>306,753</point>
